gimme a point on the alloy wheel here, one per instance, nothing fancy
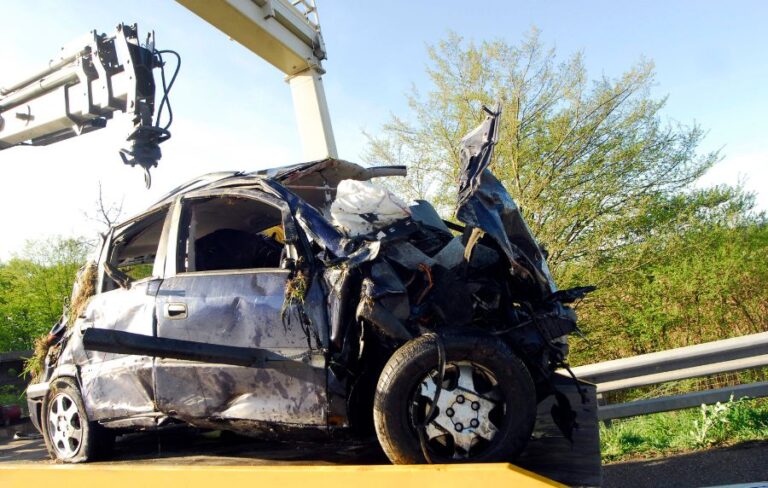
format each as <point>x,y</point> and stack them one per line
<point>65,426</point>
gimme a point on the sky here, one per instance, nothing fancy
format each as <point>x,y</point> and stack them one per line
<point>232,110</point>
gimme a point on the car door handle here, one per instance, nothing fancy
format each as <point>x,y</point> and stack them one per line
<point>176,310</point>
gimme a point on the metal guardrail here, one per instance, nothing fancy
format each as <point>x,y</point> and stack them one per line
<point>13,356</point>
<point>728,355</point>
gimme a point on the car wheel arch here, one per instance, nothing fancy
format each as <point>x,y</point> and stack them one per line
<point>69,372</point>
<point>65,372</point>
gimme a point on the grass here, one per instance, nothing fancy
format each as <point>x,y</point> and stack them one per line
<point>86,288</point>
<point>34,365</point>
<point>295,291</point>
<point>685,430</point>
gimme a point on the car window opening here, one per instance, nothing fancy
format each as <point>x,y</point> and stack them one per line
<point>228,233</point>
<point>134,248</point>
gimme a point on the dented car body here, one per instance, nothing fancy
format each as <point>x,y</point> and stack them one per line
<point>235,303</point>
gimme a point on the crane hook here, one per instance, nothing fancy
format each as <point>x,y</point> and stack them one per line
<point>147,177</point>
<point>144,149</point>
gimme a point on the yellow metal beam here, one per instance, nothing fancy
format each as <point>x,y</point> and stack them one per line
<point>256,28</point>
<point>132,476</point>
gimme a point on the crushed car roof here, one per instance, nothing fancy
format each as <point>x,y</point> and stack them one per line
<point>306,179</point>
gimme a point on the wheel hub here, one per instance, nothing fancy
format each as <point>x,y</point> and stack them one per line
<point>462,412</point>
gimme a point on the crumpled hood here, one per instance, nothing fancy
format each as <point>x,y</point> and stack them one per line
<point>485,204</point>
<point>315,182</point>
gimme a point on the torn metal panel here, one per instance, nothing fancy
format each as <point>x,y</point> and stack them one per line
<point>384,302</point>
<point>316,228</point>
<point>366,251</point>
<point>342,283</point>
<point>484,203</point>
<point>451,255</point>
<point>493,210</point>
<point>425,214</point>
<point>386,284</point>
<point>327,171</point>
<point>314,306</point>
<point>407,255</point>
<point>381,317</point>
<point>311,181</point>
<point>476,153</point>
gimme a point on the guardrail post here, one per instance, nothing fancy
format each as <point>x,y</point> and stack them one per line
<point>602,401</point>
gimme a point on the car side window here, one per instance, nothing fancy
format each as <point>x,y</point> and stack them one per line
<point>134,248</point>
<point>229,233</point>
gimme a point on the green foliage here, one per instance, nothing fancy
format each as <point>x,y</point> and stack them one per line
<point>34,286</point>
<point>684,285</point>
<point>685,430</point>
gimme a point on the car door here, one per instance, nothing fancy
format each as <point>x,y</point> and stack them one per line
<point>117,385</point>
<point>223,297</point>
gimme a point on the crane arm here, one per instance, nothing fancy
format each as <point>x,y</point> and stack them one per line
<point>80,90</point>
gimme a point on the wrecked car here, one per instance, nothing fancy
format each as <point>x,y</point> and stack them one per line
<point>303,301</point>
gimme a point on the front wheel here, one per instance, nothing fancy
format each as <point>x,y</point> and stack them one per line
<point>69,436</point>
<point>485,411</point>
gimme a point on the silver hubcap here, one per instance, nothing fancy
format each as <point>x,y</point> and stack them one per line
<point>65,426</point>
<point>463,420</point>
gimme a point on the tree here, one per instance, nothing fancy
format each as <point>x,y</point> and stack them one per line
<point>34,286</point>
<point>105,213</point>
<point>584,159</point>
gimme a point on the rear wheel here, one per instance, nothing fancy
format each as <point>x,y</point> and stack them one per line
<point>69,436</point>
<point>484,413</point>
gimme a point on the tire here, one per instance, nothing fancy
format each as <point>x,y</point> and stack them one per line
<point>69,436</point>
<point>501,388</point>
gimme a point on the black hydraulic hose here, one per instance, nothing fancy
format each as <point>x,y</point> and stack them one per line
<point>166,102</point>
